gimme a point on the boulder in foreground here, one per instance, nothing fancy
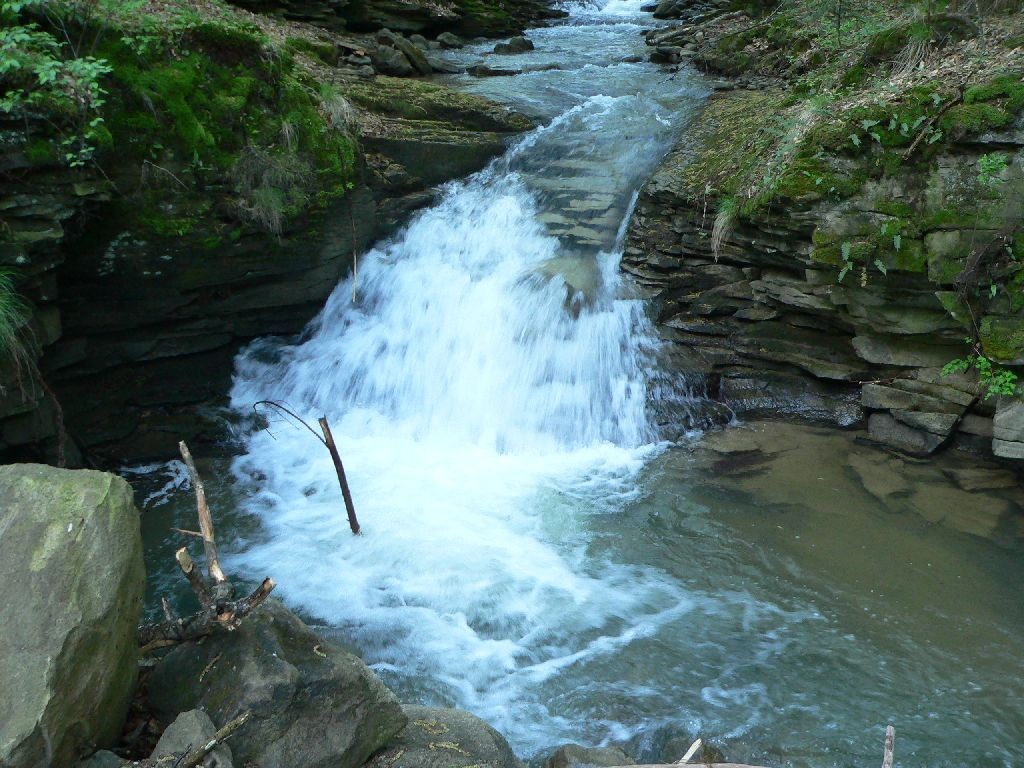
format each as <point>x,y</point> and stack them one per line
<point>72,573</point>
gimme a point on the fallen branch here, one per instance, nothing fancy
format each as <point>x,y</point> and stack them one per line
<point>195,756</point>
<point>226,615</point>
<point>220,581</point>
<point>217,609</point>
<point>690,752</point>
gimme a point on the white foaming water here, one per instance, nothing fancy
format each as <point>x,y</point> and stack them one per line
<point>487,390</point>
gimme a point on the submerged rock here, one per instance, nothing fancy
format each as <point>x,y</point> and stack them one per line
<point>313,704</point>
<point>517,44</point>
<point>445,738</point>
<point>71,566</point>
<point>449,40</point>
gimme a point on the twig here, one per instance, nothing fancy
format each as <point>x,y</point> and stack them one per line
<point>220,581</point>
<point>932,120</point>
<point>328,442</point>
<point>161,168</point>
<point>890,742</point>
<point>283,409</point>
<point>691,751</point>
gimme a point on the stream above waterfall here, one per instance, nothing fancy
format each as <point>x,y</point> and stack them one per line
<point>533,550</point>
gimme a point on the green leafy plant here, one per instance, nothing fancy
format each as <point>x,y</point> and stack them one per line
<point>13,316</point>
<point>993,379</point>
<point>990,166</point>
<point>40,73</point>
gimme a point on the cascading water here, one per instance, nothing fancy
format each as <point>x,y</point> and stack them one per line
<point>487,389</point>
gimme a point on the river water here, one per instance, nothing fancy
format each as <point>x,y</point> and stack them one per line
<point>532,552</point>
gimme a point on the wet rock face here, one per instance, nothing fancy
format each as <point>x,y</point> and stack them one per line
<point>758,310</point>
<point>71,562</point>
<point>312,703</point>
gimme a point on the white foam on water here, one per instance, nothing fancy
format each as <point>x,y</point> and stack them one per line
<point>485,408</point>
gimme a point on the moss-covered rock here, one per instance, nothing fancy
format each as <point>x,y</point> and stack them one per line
<point>71,563</point>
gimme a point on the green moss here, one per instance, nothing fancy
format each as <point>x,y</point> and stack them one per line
<point>947,218</point>
<point>324,52</point>
<point>975,118</point>
<point>1002,338</point>
<point>944,270</point>
<point>165,226</point>
<point>1007,89</point>
<point>735,137</point>
<point>244,41</point>
<point>41,152</point>
<point>829,250</point>
<point>896,208</point>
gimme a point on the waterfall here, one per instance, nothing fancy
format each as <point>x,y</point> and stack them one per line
<point>488,392</point>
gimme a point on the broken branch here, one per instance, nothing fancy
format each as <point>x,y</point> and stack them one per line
<point>227,615</point>
<point>890,743</point>
<point>195,578</point>
<point>217,607</point>
<point>206,526</point>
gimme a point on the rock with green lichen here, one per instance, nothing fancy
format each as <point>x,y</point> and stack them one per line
<point>445,738</point>
<point>71,564</point>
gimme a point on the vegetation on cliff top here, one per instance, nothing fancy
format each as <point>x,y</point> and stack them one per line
<point>171,93</point>
<point>890,112</point>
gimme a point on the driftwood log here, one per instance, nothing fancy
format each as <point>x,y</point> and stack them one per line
<point>195,755</point>
<point>218,608</point>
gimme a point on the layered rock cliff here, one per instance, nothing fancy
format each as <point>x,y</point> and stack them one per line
<point>824,241</point>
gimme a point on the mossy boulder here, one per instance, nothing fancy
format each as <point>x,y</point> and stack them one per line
<point>312,703</point>
<point>71,566</point>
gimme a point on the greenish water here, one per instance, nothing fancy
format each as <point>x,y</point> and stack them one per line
<point>782,611</point>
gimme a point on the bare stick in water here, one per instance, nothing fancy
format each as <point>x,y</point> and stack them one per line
<point>890,743</point>
<point>328,441</point>
<point>353,523</point>
<point>690,752</point>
